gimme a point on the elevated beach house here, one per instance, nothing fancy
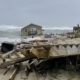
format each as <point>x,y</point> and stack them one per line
<point>75,28</point>
<point>31,29</point>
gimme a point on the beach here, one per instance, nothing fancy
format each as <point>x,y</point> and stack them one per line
<point>14,36</point>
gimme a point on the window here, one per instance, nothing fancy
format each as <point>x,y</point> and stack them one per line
<point>25,30</point>
<point>33,29</point>
<point>38,31</point>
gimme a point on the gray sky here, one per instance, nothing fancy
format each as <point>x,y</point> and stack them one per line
<point>41,12</point>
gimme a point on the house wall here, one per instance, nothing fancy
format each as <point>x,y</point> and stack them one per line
<point>29,29</point>
<point>75,29</point>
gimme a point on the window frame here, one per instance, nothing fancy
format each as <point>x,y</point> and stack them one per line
<point>26,30</point>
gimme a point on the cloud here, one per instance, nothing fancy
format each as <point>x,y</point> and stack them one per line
<point>44,12</point>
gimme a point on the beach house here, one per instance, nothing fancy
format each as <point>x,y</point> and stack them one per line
<point>75,28</point>
<point>31,29</point>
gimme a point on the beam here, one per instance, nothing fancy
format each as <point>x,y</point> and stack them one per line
<point>14,72</point>
<point>18,60</point>
<point>7,54</point>
<point>7,70</point>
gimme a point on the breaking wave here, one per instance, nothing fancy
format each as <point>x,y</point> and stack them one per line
<point>57,28</point>
<point>18,28</point>
<point>9,28</point>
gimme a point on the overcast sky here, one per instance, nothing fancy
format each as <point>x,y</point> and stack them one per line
<point>41,12</point>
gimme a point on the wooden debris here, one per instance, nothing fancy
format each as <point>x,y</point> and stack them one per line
<point>37,46</point>
<point>23,75</point>
<point>28,65</point>
<point>35,62</point>
<point>26,71</point>
<point>35,76</point>
<point>18,60</point>
<point>7,70</point>
<point>19,55</point>
<point>11,57</point>
<point>7,54</point>
<point>14,73</point>
<point>38,40</point>
<point>27,54</point>
<point>39,53</point>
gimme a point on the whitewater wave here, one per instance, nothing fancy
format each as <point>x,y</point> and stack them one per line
<point>3,39</point>
<point>9,28</point>
<point>57,28</point>
<point>18,28</point>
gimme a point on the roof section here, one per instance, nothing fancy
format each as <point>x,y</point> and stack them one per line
<point>32,24</point>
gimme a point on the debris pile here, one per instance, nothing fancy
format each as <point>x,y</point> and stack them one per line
<point>40,58</point>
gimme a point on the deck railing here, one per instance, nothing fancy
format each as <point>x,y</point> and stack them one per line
<point>32,32</point>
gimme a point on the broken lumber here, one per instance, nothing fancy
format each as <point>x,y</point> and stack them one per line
<point>27,64</point>
<point>39,52</point>
<point>18,60</point>
<point>37,46</point>
<point>19,54</point>
<point>11,57</point>
<point>35,75</point>
<point>26,71</point>
<point>7,70</point>
<point>7,54</point>
<point>27,54</point>
<point>14,73</point>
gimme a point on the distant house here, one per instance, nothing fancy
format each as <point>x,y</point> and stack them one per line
<point>31,29</point>
<point>75,28</point>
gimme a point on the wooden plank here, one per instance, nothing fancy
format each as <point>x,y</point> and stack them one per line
<point>14,73</point>
<point>26,71</point>
<point>35,52</point>
<point>35,76</point>
<point>27,54</point>
<point>11,57</point>
<point>37,46</point>
<point>47,45</point>
<point>39,53</point>
<point>23,75</point>
<point>18,60</point>
<point>7,70</point>
<point>7,54</point>
<point>28,65</point>
<point>19,54</point>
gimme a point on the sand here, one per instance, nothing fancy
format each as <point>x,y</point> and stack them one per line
<point>54,75</point>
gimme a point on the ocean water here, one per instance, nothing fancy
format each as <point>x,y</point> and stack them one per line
<point>12,33</point>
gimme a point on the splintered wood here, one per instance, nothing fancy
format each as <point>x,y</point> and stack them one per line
<point>8,63</point>
<point>14,73</point>
<point>36,52</point>
<point>41,58</point>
